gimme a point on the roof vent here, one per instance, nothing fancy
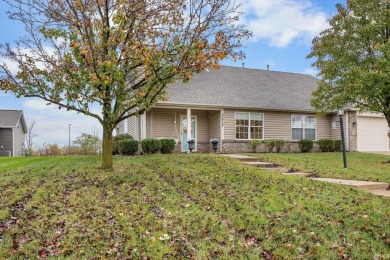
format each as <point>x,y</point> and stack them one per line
<point>243,65</point>
<point>267,66</point>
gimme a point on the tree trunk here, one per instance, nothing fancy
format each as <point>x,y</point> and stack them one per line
<point>107,148</point>
<point>387,116</point>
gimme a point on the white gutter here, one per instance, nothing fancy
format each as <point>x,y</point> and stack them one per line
<point>13,142</point>
<point>347,129</point>
<point>218,107</point>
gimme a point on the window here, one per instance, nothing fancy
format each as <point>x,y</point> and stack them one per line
<point>303,127</point>
<point>249,126</point>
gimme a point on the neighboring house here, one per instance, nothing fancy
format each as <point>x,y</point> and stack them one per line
<point>12,132</point>
<point>236,105</point>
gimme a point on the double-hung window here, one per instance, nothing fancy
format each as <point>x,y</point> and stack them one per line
<point>249,126</point>
<point>303,127</point>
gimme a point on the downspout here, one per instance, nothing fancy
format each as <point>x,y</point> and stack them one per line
<point>222,129</point>
<point>143,134</point>
<point>347,129</point>
<point>13,142</point>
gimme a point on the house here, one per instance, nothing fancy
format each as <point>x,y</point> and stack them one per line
<point>236,105</point>
<point>12,132</point>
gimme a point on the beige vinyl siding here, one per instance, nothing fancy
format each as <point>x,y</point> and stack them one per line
<point>324,127</point>
<point>160,123</point>
<point>214,121</point>
<point>277,125</point>
<point>336,133</point>
<point>203,125</point>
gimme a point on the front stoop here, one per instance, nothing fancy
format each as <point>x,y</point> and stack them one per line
<point>367,185</point>
<point>301,174</point>
<point>261,164</point>
<point>242,158</point>
<point>377,188</point>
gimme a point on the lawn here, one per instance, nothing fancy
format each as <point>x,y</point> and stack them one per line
<point>361,166</point>
<point>181,206</point>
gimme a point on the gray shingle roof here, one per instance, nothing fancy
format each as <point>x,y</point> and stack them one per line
<point>246,88</point>
<point>9,118</point>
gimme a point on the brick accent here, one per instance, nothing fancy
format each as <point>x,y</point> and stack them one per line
<point>239,146</point>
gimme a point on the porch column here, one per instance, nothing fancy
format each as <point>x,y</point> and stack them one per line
<point>222,129</point>
<point>189,125</point>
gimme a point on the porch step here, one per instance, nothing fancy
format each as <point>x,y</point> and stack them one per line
<point>383,193</point>
<point>243,158</point>
<point>302,174</point>
<point>261,164</point>
<point>367,185</point>
<point>277,169</point>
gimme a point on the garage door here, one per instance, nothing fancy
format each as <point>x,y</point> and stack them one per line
<point>372,134</point>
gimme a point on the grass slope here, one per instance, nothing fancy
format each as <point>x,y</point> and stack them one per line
<point>179,206</point>
<point>361,166</point>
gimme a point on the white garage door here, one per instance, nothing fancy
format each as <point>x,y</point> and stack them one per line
<point>372,134</point>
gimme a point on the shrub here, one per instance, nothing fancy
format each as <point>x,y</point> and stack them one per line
<point>150,145</point>
<point>167,145</point>
<point>305,145</point>
<point>253,144</point>
<point>326,145</point>
<point>115,142</point>
<point>279,143</point>
<point>337,145</point>
<point>270,144</point>
<point>128,146</point>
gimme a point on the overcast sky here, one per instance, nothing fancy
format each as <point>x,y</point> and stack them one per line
<point>282,34</point>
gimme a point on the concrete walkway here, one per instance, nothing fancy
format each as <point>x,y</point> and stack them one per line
<point>377,188</point>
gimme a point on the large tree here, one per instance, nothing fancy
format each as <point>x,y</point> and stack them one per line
<point>353,58</point>
<point>116,54</point>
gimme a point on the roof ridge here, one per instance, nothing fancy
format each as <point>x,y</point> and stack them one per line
<point>264,70</point>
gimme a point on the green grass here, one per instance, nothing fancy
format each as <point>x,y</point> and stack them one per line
<point>181,206</point>
<point>361,166</point>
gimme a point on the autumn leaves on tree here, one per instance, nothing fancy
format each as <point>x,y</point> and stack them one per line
<point>116,54</point>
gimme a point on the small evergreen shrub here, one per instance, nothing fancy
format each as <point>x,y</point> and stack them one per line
<point>150,145</point>
<point>270,144</point>
<point>128,147</point>
<point>326,145</point>
<point>167,145</point>
<point>115,142</point>
<point>253,144</point>
<point>305,145</point>
<point>337,145</point>
<point>279,143</point>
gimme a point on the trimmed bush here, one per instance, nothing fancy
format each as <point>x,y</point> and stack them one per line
<point>337,145</point>
<point>115,142</point>
<point>305,145</point>
<point>253,144</point>
<point>326,145</point>
<point>167,145</point>
<point>128,147</point>
<point>279,143</point>
<point>270,144</point>
<point>150,145</point>
<point>274,143</point>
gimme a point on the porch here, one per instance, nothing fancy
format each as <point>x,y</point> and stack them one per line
<point>171,122</point>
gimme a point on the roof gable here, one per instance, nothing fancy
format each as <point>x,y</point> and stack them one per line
<point>10,119</point>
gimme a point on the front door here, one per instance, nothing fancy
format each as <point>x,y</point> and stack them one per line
<point>184,132</point>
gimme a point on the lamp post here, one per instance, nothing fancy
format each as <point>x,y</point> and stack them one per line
<point>340,113</point>
<point>69,140</point>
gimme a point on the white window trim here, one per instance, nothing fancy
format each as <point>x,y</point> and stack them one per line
<point>249,126</point>
<point>315,127</point>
